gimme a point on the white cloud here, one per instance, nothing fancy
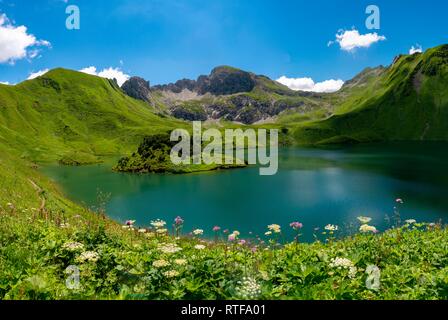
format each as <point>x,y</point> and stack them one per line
<point>417,49</point>
<point>34,75</point>
<point>350,40</point>
<point>114,73</point>
<point>6,82</point>
<point>109,73</point>
<point>308,84</point>
<point>303,84</point>
<point>328,86</point>
<point>16,43</point>
<point>89,70</point>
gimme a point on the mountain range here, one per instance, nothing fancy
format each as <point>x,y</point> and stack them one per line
<point>75,118</point>
<point>226,94</point>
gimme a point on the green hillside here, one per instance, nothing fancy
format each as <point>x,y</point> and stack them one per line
<point>406,101</point>
<point>73,117</point>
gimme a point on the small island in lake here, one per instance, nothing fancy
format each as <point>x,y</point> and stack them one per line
<point>153,156</point>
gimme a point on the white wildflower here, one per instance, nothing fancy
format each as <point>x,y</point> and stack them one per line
<point>88,256</point>
<point>73,246</point>
<point>364,220</point>
<point>344,263</point>
<point>180,262</point>
<point>248,288</point>
<point>331,227</point>
<point>274,228</point>
<point>365,228</point>
<point>198,232</point>
<point>171,273</point>
<point>169,248</point>
<point>160,263</point>
<point>158,223</point>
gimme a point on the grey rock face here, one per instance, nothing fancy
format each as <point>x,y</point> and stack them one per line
<point>225,81</point>
<point>221,81</point>
<point>178,86</point>
<point>137,88</point>
<point>190,115</point>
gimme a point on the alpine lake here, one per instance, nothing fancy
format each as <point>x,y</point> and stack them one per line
<point>314,186</point>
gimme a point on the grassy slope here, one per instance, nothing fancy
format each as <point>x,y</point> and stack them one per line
<point>408,101</point>
<point>67,114</point>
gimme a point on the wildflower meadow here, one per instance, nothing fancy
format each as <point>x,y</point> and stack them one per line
<point>87,256</point>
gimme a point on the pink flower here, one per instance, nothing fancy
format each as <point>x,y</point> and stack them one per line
<point>232,237</point>
<point>226,231</point>
<point>178,221</point>
<point>400,201</point>
<point>130,222</point>
<point>242,242</point>
<point>216,228</point>
<point>296,225</point>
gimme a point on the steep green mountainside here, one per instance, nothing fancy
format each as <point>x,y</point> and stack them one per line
<point>233,95</point>
<point>406,101</point>
<point>73,117</point>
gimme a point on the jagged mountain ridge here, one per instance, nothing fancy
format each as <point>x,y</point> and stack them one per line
<point>229,94</point>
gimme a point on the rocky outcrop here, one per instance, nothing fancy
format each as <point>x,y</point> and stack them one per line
<point>221,81</point>
<point>137,88</point>
<point>183,113</point>
<point>178,86</point>
<point>226,81</point>
<point>240,108</point>
<point>226,93</point>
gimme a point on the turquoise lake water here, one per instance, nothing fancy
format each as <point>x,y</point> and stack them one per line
<point>313,186</point>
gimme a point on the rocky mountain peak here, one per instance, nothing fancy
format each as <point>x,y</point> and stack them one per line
<point>222,80</point>
<point>226,80</point>
<point>137,88</point>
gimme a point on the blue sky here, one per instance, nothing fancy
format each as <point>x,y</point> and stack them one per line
<point>165,40</point>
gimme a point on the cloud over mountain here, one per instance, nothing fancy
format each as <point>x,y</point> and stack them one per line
<point>39,73</point>
<point>417,49</point>
<point>308,84</point>
<point>109,73</point>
